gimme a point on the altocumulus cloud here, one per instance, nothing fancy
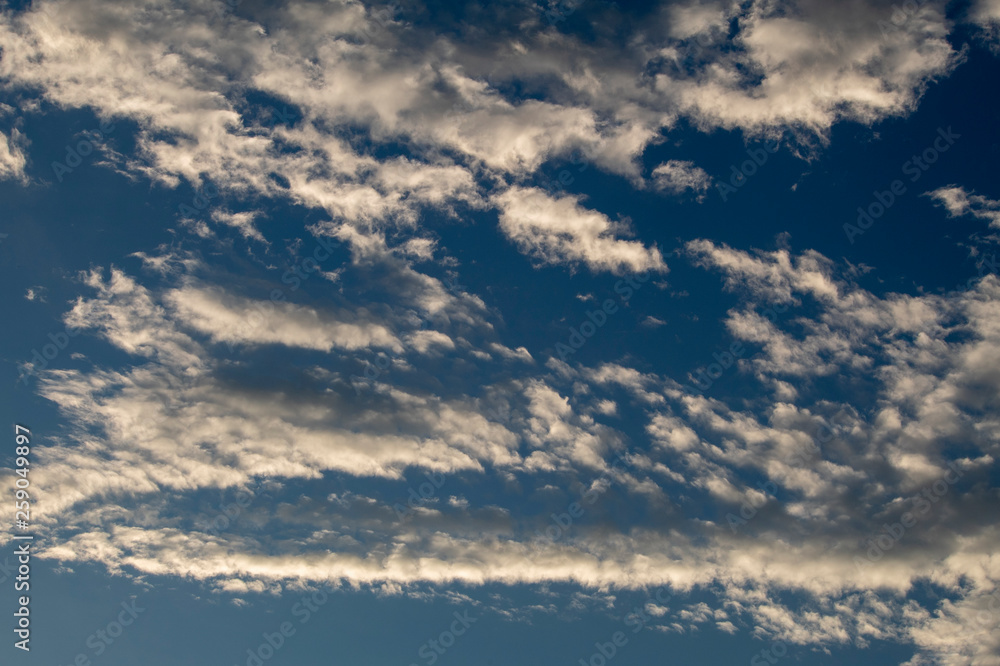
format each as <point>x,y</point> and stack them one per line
<point>400,126</point>
<point>176,422</point>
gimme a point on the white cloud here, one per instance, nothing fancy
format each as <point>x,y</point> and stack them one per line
<point>12,158</point>
<point>773,276</point>
<point>815,65</point>
<point>182,416</point>
<point>234,319</point>
<point>677,177</point>
<point>177,420</point>
<point>519,354</point>
<point>181,73</point>
<point>244,222</point>
<point>560,230</point>
<point>959,202</point>
<point>986,14</point>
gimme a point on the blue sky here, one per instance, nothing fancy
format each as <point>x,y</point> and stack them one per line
<point>509,333</point>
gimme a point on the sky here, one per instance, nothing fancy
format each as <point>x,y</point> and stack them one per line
<point>535,333</point>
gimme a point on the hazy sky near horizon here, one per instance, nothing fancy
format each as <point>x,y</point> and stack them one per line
<point>503,333</point>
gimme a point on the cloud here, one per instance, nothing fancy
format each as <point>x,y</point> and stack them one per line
<point>773,276</point>
<point>244,222</point>
<point>519,354</point>
<point>957,201</point>
<point>183,416</point>
<point>445,97</point>
<point>986,15</point>
<point>394,123</point>
<point>233,319</point>
<point>812,67</point>
<point>677,177</point>
<point>561,231</point>
<point>126,314</point>
<point>12,158</point>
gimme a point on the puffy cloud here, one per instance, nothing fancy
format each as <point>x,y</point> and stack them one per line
<point>677,177</point>
<point>387,120</point>
<point>236,320</point>
<point>12,158</point>
<point>774,278</point>
<point>182,417</point>
<point>519,354</point>
<point>244,222</point>
<point>959,202</point>
<point>986,14</point>
<point>810,67</point>
<point>560,230</point>
<point>183,72</point>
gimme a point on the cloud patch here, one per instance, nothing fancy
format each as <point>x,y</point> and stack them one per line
<point>558,230</point>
